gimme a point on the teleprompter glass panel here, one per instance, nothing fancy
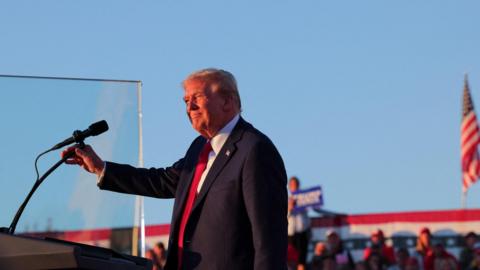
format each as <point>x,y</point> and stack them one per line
<point>35,114</point>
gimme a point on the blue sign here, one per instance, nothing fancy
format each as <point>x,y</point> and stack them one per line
<point>312,197</point>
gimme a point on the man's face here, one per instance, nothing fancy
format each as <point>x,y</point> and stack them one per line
<point>425,239</point>
<point>293,185</point>
<point>320,249</point>
<point>206,108</point>
<point>375,239</point>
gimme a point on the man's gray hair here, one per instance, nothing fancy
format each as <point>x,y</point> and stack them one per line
<point>223,80</point>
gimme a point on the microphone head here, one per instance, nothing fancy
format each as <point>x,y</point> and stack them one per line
<point>98,128</point>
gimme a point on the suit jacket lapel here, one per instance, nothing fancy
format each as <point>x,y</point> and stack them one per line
<point>225,154</point>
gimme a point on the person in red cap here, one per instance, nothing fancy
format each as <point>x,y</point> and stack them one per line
<point>377,241</point>
<point>423,247</point>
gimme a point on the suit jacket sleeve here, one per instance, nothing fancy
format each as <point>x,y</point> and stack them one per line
<point>159,183</point>
<point>265,195</point>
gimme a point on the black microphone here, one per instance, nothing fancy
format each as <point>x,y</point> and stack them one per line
<point>78,136</point>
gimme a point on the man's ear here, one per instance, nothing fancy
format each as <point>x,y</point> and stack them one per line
<point>228,103</point>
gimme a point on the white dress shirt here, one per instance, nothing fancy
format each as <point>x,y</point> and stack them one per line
<point>217,143</point>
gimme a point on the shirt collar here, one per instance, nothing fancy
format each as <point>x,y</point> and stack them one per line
<point>219,140</point>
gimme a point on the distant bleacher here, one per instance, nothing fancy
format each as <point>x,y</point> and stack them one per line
<point>400,229</point>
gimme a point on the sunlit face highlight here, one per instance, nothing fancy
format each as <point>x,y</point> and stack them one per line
<point>293,185</point>
<point>425,239</point>
<point>206,108</point>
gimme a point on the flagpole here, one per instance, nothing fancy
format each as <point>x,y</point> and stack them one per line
<point>464,190</point>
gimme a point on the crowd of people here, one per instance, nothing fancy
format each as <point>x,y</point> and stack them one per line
<point>428,254</point>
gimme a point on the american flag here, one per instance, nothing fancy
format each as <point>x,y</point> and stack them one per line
<point>470,140</point>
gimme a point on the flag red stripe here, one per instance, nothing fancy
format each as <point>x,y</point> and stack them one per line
<point>468,120</point>
<point>469,133</point>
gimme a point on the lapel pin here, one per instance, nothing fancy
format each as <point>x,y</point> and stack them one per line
<point>227,153</point>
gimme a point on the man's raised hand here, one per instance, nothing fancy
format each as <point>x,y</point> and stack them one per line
<point>86,158</point>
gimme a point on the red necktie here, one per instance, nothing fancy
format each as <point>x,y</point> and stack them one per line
<point>192,194</point>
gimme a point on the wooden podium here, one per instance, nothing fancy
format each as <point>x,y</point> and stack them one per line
<point>26,253</point>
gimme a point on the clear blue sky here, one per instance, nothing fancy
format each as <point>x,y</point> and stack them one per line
<point>361,97</point>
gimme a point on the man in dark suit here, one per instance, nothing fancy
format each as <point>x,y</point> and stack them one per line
<point>230,208</point>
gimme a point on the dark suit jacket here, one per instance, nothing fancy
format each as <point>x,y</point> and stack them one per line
<point>239,218</point>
